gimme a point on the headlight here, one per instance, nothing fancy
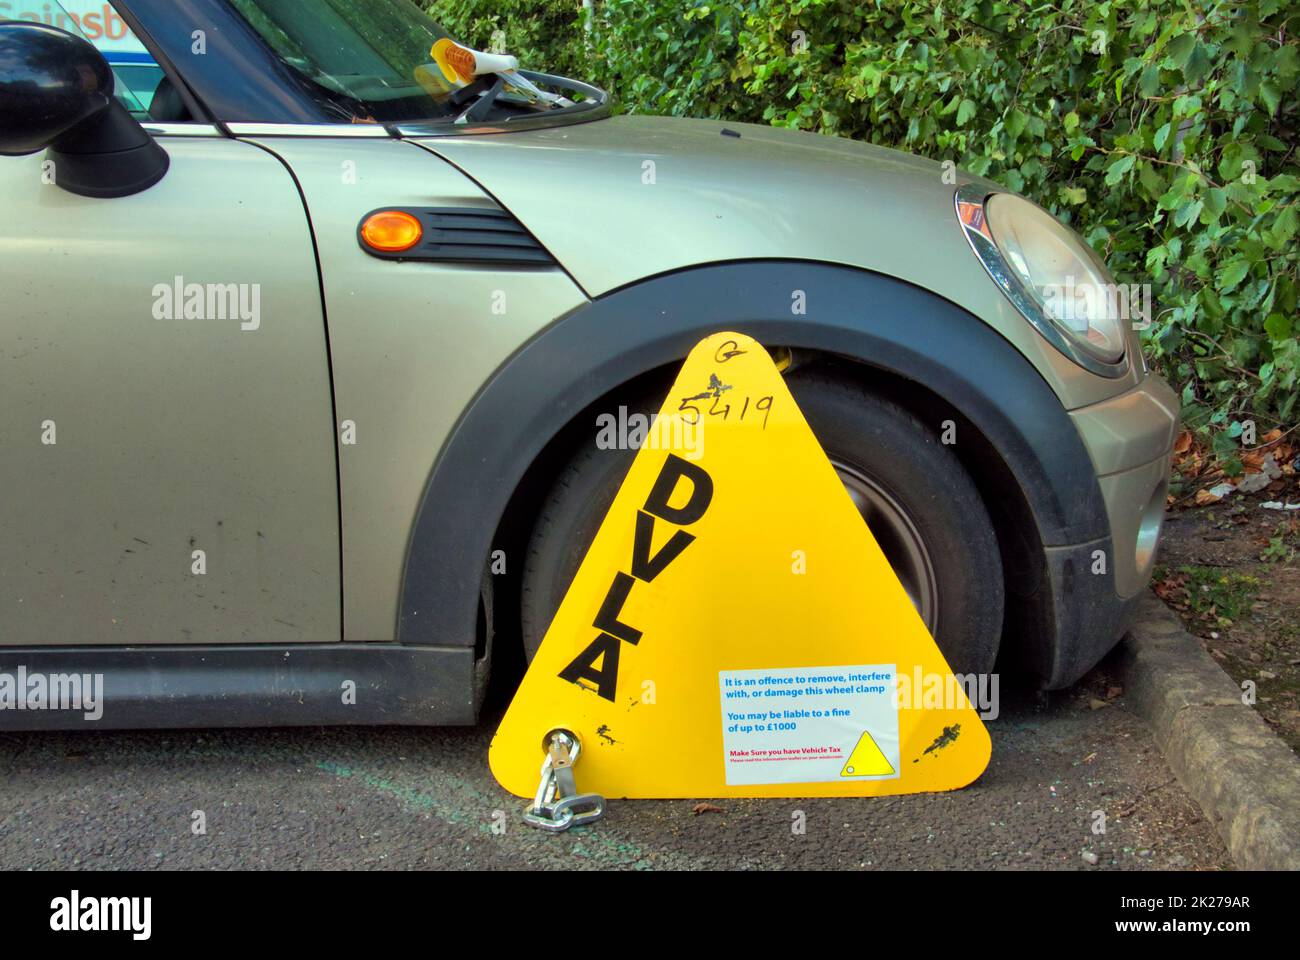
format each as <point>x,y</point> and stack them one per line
<point>1050,275</point>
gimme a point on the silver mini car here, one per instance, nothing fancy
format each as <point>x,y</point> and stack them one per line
<point>303,355</point>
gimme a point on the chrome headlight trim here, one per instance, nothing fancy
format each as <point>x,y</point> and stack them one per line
<point>969,201</point>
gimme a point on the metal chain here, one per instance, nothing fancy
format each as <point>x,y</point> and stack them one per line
<point>558,805</point>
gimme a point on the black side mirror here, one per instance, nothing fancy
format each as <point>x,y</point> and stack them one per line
<point>56,91</point>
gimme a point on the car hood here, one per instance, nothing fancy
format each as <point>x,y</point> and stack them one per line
<point>620,199</point>
<point>625,198</point>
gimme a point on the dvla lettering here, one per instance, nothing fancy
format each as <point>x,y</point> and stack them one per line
<point>644,567</point>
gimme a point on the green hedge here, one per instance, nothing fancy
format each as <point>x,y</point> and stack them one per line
<point>1164,130</point>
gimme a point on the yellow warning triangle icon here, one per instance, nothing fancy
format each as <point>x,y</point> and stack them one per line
<point>866,760</point>
<point>734,630</point>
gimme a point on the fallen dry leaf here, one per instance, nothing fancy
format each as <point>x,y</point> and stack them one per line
<point>1172,589</point>
<point>705,808</point>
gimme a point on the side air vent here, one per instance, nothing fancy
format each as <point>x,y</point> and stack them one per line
<point>485,235</point>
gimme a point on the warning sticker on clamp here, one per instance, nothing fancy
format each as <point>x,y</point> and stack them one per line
<point>809,724</point>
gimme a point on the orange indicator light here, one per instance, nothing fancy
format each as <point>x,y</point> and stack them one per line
<point>391,231</point>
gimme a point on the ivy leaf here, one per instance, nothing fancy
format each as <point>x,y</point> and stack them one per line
<point>966,111</point>
<point>1198,65</point>
<point>1016,123</point>
<point>1216,201</point>
<point>1269,95</point>
<point>1155,261</point>
<point>1233,274</point>
<point>1187,213</point>
<point>1117,168</point>
<point>1180,49</point>
<point>1174,195</point>
<point>1286,62</point>
<point>1149,84</point>
<point>1224,445</point>
<point>1278,327</point>
<point>1284,227</point>
<point>1152,182</point>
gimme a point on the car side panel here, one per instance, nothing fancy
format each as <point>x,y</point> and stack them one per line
<point>131,437</point>
<point>412,344</point>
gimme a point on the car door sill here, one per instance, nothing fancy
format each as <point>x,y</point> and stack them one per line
<point>228,685</point>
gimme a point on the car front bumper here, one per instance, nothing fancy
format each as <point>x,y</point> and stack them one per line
<point>1086,595</point>
<point>1130,439</point>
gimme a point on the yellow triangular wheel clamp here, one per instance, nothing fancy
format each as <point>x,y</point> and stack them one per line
<point>734,630</point>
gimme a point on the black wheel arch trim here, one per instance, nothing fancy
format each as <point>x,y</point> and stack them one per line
<point>878,320</point>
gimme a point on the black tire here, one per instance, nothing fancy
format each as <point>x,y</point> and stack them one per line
<point>914,487</point>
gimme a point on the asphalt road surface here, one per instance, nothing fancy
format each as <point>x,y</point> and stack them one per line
<point>358,798</point>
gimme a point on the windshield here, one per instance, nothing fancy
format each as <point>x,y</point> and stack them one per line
<point>365,62</point>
